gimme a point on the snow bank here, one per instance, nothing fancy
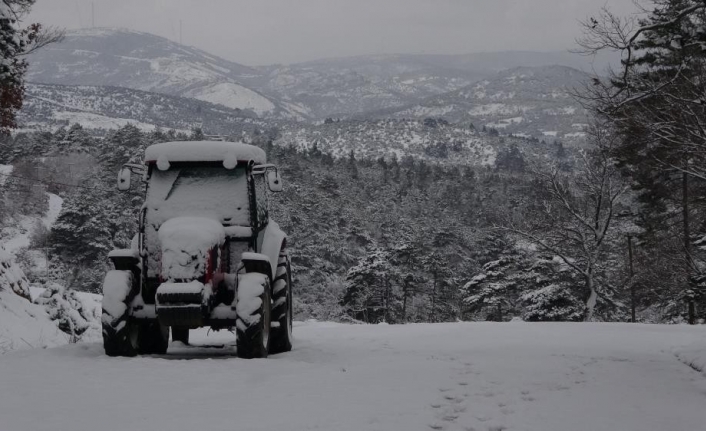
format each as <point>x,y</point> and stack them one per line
<point>11,276</point>
<point>76,313</point>
<point>24,325</point>
<point>693,355</point>
<point>185,243</point>
<point>204,151</point>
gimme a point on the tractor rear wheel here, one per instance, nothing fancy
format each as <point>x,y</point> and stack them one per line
<point>253,315</point>
<point>282,306</point>
<point>154,338</point>
<point>121,335</point>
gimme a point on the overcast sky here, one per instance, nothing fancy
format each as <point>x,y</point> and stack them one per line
<point>257,32</point>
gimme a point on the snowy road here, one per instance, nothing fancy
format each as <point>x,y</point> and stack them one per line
<point>482,377</point>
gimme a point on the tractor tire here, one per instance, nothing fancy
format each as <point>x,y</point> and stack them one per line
<point>253,315</point>
<point>180,334</point>
<point>281,334</point>
<point>153,339</point>
<point>121,335</point>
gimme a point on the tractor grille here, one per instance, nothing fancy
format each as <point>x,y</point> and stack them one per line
<point>190,316</point>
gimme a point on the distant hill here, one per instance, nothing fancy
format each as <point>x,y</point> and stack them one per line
<point>354,85</point>
<point>314,90</point>
<point>142,61</point>
<point>432,140</point>
<point>533,101</point>
<point>52,106</point>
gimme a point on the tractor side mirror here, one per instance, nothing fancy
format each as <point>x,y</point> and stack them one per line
<point>124,179</point>
<point>274,182</point>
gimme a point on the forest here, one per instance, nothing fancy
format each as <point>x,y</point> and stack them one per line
<point>555,238</point>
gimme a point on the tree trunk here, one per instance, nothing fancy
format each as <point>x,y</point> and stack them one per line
<point>632,281</point>
<point>405,292</point>
<point>592,297</point>
<point>687,245</point>
<point>433,301</point>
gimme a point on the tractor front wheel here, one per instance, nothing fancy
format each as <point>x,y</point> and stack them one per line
<point>253,315</point>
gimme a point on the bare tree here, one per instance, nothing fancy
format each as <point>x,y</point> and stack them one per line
<point>577,214</point>
<point>656,100</point>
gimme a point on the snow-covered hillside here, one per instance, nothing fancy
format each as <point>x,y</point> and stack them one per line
<point>311,90</point>
<point>483,377</point>
<point>526,101</point>
<point>31,318</point>
<point>430,139</point>
<point>53,106</point>
<point>141,61</point>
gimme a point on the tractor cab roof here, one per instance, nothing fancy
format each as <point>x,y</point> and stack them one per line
<point>204,151</point>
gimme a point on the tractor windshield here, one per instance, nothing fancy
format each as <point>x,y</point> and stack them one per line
<point>201,191</point>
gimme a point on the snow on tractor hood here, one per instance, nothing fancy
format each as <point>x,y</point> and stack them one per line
<point>185,243</point>
<point>204,151</point>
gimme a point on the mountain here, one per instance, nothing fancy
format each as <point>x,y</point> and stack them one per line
<point>312,90</point>
<point>53,106</point>
<point>330,88</point>
<point>142,61</point>
<point>351,85</point>
<point>533,101</point>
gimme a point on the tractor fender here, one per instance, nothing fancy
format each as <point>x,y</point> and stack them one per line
<point>270,242</point>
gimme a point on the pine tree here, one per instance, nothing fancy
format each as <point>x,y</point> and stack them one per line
<point>15,42</point>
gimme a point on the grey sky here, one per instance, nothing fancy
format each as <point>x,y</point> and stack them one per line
<point>258,32</point>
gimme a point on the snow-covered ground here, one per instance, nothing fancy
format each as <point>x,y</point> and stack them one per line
<point>465,376</point>
<point>17,236</point>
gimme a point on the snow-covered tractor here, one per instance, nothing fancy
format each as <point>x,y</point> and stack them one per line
<point>207,254</point>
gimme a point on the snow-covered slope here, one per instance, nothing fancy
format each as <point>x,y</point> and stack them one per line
<point>430,140</point>
<point>531,101</point>
<point>23,324</point>
<point>344,86</point>
<point>480,376</point>
<point>141,61</point>
<point>53,106</point>
<point>29,316</point>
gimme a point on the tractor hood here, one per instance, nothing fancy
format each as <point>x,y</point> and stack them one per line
<point>185,244</point>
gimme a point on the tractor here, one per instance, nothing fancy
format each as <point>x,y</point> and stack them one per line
<point>206,254</point>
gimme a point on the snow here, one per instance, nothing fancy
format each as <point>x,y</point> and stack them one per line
<point>5,170</point>
<point>238,231</point>
<point>694,355</point>
<point>502,124</point>
<point>89,120</point>
<point>204,151</point>
<point>186,243</point>
<point>116,287</point>
<point>18,237</point>
<point>195,287</point>
<point>12,279</point>
<point>24,325</point>
<point>233,96</point>
<point>256,257</point>
<point>250,287</point>
<point>479,376</point>
<point>127,252</point>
